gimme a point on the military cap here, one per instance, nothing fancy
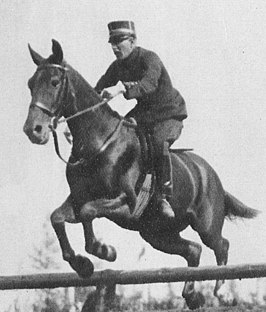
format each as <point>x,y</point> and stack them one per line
<point>121,30</point>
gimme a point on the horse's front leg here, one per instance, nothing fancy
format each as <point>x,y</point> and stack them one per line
<point>96,247</point>
<point>65,213</point>
<point>107,208</point>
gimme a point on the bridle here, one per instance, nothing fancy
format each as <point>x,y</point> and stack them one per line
<point>56,115</point>
<point>41,106</point>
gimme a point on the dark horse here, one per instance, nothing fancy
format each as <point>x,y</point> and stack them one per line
<point>105,164</point>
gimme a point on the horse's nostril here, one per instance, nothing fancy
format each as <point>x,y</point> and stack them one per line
<point>38,129</point>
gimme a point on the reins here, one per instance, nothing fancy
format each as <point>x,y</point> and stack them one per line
<point>128,123</point>
<point>86,110</point>
<point>100,150</point>
<point>55,120</point>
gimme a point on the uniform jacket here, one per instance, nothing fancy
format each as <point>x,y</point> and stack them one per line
<point>147,81</point>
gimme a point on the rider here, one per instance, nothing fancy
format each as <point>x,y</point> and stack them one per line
<point>140,74</point>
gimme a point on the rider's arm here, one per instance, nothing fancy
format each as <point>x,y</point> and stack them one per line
<point>108,79</point>
<point>148,83</point>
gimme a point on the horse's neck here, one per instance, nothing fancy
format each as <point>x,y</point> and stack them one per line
<point>91,129</point>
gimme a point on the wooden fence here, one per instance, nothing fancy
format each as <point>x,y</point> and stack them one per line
<point>106,280</point>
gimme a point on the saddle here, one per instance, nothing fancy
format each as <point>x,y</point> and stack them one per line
<point>146,184</point>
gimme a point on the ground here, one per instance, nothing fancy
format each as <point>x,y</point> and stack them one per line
<point>241,308</point>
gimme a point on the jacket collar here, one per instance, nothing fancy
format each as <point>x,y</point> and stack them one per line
<point>131,58</point>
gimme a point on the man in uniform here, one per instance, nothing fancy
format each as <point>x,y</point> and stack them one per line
<point>140,74</point>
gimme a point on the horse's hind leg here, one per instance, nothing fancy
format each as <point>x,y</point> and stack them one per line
<point>221,254</point>
<point>173,243</point>
<point>94,246</point>
<point>220,246</point>
<point>65,213</point>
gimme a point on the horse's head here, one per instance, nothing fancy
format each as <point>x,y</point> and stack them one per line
<point>47,87</point>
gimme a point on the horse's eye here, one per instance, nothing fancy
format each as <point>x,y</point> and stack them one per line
<point>55,82</point>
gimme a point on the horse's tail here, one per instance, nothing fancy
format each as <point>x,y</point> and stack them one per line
<point>235,208</point>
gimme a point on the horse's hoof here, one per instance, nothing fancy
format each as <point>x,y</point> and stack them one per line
<point>82,265</point>
<point>195,301</point>
<point>225,297</point>
<point>227,303</point>
<point>105,252</point>
<point>110,253</point>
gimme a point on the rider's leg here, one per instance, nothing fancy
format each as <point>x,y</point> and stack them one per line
<point>164,181</point>
<point>164,135</point>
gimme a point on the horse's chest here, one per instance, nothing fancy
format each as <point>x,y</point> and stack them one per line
<point>90,183</point>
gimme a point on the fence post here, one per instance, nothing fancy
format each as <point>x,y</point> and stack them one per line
<point>101,300</point>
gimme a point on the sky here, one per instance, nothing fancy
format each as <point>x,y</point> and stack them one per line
<point>215,53</point>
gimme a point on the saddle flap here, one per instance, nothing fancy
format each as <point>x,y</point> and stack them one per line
<point>144,195</point>
<point>147,150</point>
<point>146,183</point>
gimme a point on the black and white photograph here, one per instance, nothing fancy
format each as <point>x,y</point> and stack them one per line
<point>133,155</point>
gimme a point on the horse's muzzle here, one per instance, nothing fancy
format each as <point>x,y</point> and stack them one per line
<point>37,134</point>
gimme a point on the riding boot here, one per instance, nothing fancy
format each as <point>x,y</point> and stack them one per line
<point>166,183</point>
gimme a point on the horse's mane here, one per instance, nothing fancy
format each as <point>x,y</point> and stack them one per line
<point>80,83</point>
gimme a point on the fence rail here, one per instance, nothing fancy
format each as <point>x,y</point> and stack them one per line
<point>113,277</point>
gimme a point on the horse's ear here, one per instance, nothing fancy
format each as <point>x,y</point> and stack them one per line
<point>37,59</point>
<point>57,52</point>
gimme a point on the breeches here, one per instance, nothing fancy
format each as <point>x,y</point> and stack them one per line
<point>164,134</point>
<point>166,131</point>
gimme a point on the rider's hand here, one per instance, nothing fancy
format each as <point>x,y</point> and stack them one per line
<point>113,91</point>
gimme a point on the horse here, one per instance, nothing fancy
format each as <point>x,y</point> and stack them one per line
<point>103,171</point>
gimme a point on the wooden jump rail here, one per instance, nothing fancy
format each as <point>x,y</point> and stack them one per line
<point>106,280</point>
<point>165,275</point>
